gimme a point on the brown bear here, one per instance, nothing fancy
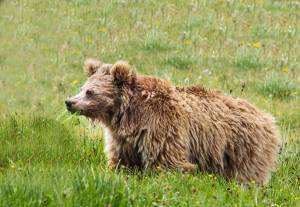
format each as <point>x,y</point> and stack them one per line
<point>150,123</point>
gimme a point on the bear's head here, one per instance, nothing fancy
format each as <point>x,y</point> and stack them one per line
<point>103,93</point>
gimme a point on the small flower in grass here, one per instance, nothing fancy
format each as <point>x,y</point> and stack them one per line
<point>102,29</point>
<point>74,82</point>
<point>295,93</point>
<point>256,45</point>
<point>76,52</point>
<point>187,42</point>
<point>252,182</point>
<point>285,69</point>
<point>210,175</point>
<point>89,40</point>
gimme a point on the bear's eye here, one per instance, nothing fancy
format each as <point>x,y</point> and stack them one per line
<point>89,92</point>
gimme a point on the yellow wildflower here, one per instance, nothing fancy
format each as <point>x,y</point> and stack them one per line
<point>102,29</point>
<point>256,45</point>
<point>74,82</point>
<point>89,40</point>
<point>76,51</point>
<point>187,42</point>
<point>285,69</point>
<point>295,93</point>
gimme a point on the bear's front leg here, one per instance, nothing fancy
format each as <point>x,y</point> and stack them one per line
<point>167,156</point>
<point>180,165</point>
<point>188,167</point>
<point>112,153</point>
<point>123,155</point>
<point>114,160</point>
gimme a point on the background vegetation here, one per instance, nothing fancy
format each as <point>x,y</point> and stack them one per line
<point>245,48</point>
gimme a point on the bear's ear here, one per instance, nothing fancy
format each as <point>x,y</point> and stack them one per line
<point>91,66</point>
<point>122,73</point>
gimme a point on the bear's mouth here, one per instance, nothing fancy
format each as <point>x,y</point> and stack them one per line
<point>71,110</point>
<point>87,113</point>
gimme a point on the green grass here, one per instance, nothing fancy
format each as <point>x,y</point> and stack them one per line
<point>154,43</point>
<point>279,87</point>
<point>249,62</point>
<point>180,62</point>
<point>52,162</point>
<point>51,158</point>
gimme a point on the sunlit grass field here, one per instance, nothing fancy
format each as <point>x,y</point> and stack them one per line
<point>48,157</point>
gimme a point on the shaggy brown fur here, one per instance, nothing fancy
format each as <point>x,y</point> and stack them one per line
<point>149,123</point>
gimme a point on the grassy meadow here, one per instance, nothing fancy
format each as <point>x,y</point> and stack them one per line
<point>48,157</point>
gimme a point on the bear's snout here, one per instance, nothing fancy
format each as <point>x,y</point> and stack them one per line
<point>69,105</point>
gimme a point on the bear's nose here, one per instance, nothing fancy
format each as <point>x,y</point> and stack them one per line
<point>68,104</point>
